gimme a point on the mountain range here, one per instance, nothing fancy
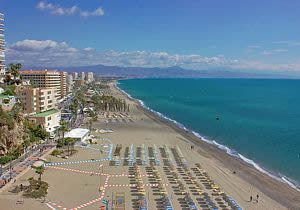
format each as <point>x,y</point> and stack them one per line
<point>169,72</point>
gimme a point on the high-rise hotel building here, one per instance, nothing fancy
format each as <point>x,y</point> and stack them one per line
<point>2,46</point>
<point>82,76</point>
<point>74,75</point>
<point>47,79</point>
<point>90,76</point>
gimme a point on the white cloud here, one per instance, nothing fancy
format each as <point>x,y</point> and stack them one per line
<point>275,51</point>
<point>51,53</point>
<point>288,42</point>
<point>44,5</point>
<point>280,50</point>
<point>97,12</point>
<point>254,46</point>
<point>58,10</point>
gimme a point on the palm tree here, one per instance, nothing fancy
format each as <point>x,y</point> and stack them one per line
<point>39,170</point>
<point>90,122</point>
<point>69,141</point>
<point>26,143</point>
<point>63,128</point>
<point>14,69</point>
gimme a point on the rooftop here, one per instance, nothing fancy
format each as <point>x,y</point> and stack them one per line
<point>77,133</point>
<point>46,71</point>
<point>45,114</point>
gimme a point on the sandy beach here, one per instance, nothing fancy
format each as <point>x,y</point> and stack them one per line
<point>90,176</point>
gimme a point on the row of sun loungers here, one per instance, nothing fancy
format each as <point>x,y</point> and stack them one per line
<point>156,157</point>
<point>138,190</point>
<point>131,159</point>
<point>115,115</point>
<point>141,156</point>
<point>119,121</point>
<point>206,194</point>
<point>232,203</point>
<point>223,201</point>
<point>118,150</point>
<point>116,160</point>
<point>192,186</point>
<point>138,156</point>
<point>159,189</point>
<point>144,156</point>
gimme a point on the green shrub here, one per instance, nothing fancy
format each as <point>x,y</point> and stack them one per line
<point>36,189</point>
<point>6,159</point>
<point>56,152</point>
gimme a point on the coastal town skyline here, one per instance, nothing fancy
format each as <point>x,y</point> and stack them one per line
<point>256,36</point>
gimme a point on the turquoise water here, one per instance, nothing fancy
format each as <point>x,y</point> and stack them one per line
<point>258,119</point>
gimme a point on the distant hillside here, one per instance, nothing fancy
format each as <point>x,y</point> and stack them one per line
<point>174,72</point>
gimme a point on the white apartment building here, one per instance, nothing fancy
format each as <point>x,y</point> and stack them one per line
<point>90,77</point>
<point>75,75</point>
<point>82,75</point>
<point>49,120</point>
<point>69,83</point>
<point>2,46</point>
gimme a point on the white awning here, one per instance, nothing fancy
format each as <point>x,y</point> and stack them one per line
<point>77,133</point>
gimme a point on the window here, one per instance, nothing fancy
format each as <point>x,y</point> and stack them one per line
<point>50,101</point>
<point>48,97</point>
<point>49,92</point>
<point>49,118</point>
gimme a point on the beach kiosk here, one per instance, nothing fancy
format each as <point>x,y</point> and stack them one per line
<point>79,134</point>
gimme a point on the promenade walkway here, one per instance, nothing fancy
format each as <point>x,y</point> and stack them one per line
<point>10,175</point>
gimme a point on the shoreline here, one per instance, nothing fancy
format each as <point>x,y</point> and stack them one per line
<point>283,191</point>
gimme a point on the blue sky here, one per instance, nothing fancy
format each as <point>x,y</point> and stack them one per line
<point>258,35</point>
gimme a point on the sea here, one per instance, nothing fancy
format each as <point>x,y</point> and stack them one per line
<point>256,120</point>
